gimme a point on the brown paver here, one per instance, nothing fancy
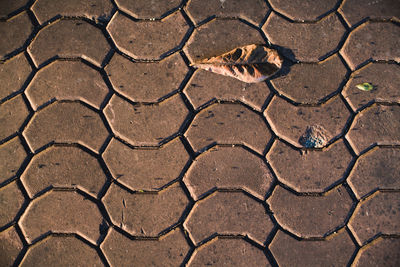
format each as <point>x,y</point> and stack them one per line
<point>228,252</point>
<point>13,74</point>
<point>10,246</point>
<point>311,83</point>
<point>310,216</point>
<point>11,200</point>
<point>335,251</point>
<point>69,39</point>
<point>228,168</point>
<point>93,9</point>
<point>12,114</point>
<point>66,122</point>
<point>67,80</point>
<point>146,82</point>
<point>145,214</point>
<point>12,154</point>
<point>61,251</point>
<point>169,250</point>
<point>303,10</point>
<point>228,124</point>
<point>147,39</point>
<point>382,252</point>
<point>251,10</point>
<point>63,167</point>
<point>146,124</point>
<point>141,9</point>
<point>307,41</point>
<point>372,41</point>
<point>228,213</point>
<point>378,214</point>
<point>7,7</point>
<point>378,124</point>
<point>385,79</point>
<point>148,169</point>
<point>69,211</point>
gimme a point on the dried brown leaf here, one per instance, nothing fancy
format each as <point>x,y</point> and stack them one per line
<point>250,63</point>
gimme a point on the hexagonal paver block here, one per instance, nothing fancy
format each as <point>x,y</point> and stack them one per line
<point>378,214</point>
<point>310,216</point>
<point>228,168</point>
<point>142,9</point>
<point>372,41</point>
<point>93,9</point>
<point>313,171</point>
<point>12,114</point>
<point>378,124</point>
<point>61,251</point>
<point>228,252</point>
<point>13,74</point>
<point>250,10</point>
<point>384,78</point>
<point>14,32</point>
<point>308,42</point>
<point>147,169</point>
<point>66,122</point>
<point>312,83</point>
<point>11,200</point>
<point>228,213</point>
<point>335,251</point>
<point>303,10</point>
<point>147,39</point>
<point>381,252</point>
<point>146,82</point>
<point>12,154</point>
<point>144,214</point>
<point>206,41</point>
<point>292,122</point>
<point>7,7</point>
<point>10,246</point>
<point>206,86</point>
<point>377,169</point>
<point>69,211</point>
<point>69,39</point>
<point>228,124</point>
<point>63,167</point>
<point>148,125</point>
<point>67,80</point>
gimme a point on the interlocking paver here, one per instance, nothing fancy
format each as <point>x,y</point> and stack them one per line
<point>228,252</point>
<point>61,251</point>
<point>13,74</point>
<point>12,114</point>
<point>10,246</point>
<point>372,41</point>
<point>142,9</point>
<point>377,169</point>
<point>378,214</point>
<point>63,167</point>
<point>146,82</point>
<point>290,122</point>
<point>378,124</point>
<point>169,250</point>
<point>12,154</point>
<point>251,10</point>
<point>7,7</point>
<point>14,32</point>
<point>311,83</point>
<point>67,80</point>
<point>381,253</point>
<point>93,9</point>
<point>206,86</point>
<point>148,169</point>
<point>146,124</point>
<point>303,10</point>
<point>11,200</point>
<point>206,40</point>
<point>228,124</point>
<point>314,171</point>
<point>145,214</point>
<point>310,216</point>
<point>69,211</point>
<point>228,213</point>
<point>228,168</point>
<point>384,78</point>
<point>335,251</point>
<point>69,39</point>
<point>147,39</point>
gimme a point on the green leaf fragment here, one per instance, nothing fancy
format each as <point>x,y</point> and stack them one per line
<point>365,86</point>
